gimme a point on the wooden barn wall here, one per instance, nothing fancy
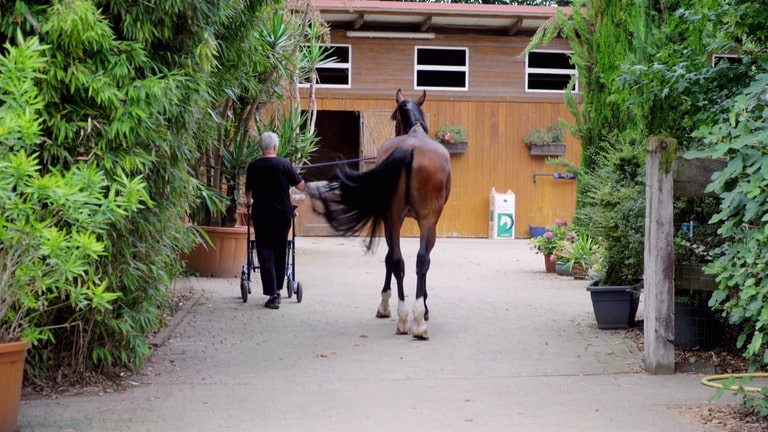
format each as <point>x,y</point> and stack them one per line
<point>497,114</point>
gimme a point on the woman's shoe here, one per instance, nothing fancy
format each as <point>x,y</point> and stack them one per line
<point>273,303</point>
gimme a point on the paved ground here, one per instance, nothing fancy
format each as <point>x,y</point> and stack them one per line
<point>512,348</point>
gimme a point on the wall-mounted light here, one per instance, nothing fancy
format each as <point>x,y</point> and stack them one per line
<point>389,35</point>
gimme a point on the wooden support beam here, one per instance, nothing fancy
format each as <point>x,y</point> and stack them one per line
<point>659,256</point>
<point>694,175</point>
<point>358,22</point>
<point>515,27</point>
<point>426,24</point>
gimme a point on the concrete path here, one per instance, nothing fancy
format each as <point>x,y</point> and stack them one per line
<point>512,348</point>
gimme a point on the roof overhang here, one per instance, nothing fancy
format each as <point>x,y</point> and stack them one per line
<point>364,15</point>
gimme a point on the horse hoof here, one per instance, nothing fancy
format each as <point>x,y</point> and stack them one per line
<point>380,314</point>
<point>423,336</point>
<point>402,329</point>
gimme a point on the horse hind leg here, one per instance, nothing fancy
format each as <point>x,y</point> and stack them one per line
<point>423,261</point>
<point>402,310</point>
<point>420,311</point>
<point>396,267</point>
<point>383,310</point>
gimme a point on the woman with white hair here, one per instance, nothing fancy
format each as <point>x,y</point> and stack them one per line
<point>268,180</point>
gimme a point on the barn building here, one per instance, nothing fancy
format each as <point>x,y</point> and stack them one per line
<point>468,60</point>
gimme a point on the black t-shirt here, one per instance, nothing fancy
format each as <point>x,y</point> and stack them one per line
<point>269,179</point>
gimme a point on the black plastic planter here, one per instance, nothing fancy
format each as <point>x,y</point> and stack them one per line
<point>615,306</point>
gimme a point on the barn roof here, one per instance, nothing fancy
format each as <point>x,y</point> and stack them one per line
<point>370,15</point>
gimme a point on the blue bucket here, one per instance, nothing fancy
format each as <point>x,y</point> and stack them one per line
<point>537,231</point>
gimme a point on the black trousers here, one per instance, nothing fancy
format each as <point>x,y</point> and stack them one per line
<point>271,236</point>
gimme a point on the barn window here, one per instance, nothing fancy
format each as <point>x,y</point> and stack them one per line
<point>336,70</point>
<point>549,71</point>
<point>441,68</point>
<point>732,59</point>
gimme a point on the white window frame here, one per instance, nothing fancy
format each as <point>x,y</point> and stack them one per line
<point>417,68</point>
<point>722,56</point>
<point>550,71</point>
<point>336,65</point>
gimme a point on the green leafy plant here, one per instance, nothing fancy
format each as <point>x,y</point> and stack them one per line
<point>743,267</point>
<point>611,211</point>
<point>583,251</point>
<point>543,136</point>
<point>239,116</point>
<point>125,88</point>
<point>54,223</point>
<point>451,134</point>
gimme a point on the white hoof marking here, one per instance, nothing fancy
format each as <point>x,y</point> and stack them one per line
<point>402,318</point>
<point>383,310</point>
<point>419,329</point>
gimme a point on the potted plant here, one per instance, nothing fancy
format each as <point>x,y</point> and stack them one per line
<point>578,253</point>
<point>48,240</point>
<point>561,255</point>
<point>248,105</point>
<point>454,138</point>
<point>222,248</point>
<point>549,242</point>
<point>612,209</point>
<point>546,141</point>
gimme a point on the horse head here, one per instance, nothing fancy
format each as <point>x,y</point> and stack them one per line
<point>409,114</point>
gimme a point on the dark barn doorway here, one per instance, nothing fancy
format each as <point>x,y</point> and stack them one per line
<point>339,139</point>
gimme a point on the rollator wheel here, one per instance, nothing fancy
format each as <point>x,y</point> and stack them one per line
<point>244,289</point>
<point>289,288</point>
<point>299,292</point>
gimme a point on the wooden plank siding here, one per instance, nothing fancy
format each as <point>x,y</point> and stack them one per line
<point>497,113</point>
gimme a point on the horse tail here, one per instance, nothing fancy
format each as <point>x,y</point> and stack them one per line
<point>355,200</point>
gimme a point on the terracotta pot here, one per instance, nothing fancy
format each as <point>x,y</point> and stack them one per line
<point>242,217</point>
<point>12,357</point>
<point>225,258</point>
<point>549,264</point>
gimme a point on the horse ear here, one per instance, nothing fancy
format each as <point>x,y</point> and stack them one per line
<point>399,96</point>
<point>423,98</point>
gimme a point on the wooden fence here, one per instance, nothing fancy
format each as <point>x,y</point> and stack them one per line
<point>667,176</point>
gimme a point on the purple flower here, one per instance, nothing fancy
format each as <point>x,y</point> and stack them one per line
<point>548,235</point>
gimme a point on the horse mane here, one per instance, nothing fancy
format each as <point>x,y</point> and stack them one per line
<point>410,115</point>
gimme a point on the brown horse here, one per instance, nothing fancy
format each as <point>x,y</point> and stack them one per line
<point>412,177</point>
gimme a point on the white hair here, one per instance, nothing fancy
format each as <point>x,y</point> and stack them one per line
<point>268,142</point>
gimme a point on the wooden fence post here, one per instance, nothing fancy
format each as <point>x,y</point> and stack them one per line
<point>659,256</point>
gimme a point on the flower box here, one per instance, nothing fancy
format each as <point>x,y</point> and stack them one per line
<point>553,149</point>
<point>453,138</point>
<point>455,147</point>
